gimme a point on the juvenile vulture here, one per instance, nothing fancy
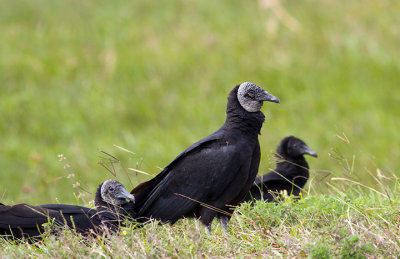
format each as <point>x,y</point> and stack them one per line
<point>290,174</point>
<point>213,174</point>
<point>112,201</point>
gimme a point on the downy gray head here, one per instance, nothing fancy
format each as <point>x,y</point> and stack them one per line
<point>251,97</point>
<point>113,192</point>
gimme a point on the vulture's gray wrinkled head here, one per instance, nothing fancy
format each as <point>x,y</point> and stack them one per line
<point>251,97</point>
<point>114,192</point>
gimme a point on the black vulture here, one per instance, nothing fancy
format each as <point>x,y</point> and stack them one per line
<point>290,174</point>
<point>213,174</point>
<point>26,221</point>
<point>114,204</point>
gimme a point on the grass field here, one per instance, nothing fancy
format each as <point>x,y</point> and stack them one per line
<point>345,226</point>
<point>153,77</point>
<point>79,77</point>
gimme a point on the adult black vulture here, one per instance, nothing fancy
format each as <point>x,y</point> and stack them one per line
<point>214,173</point>
<point>26,221</point>
<point>290,174</point>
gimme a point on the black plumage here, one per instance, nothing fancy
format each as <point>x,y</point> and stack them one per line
<point>26,221</point>
<point>214,173</point>
<point>290,175</point>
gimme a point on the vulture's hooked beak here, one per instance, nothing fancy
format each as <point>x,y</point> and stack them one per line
<point>267,97</point>
<point>308,151</point>
<point>124,194</point>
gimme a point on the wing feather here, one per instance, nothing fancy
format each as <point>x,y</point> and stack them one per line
<point>189,180</point>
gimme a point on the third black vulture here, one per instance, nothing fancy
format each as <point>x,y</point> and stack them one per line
<point>26,221</point>
<point>291,173</point>
<point>214,173</point>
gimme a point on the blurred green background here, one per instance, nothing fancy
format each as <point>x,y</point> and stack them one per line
<point>78,77</point>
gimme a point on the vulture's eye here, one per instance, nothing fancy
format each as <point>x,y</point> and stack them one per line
<point>250,94</point>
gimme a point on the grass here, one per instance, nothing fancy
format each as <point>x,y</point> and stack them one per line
<point>352,221</point>
<point>351,225</point>
<point>78,78</point>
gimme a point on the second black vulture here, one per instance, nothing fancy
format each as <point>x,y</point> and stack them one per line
<point>112,201</point>
<point>290,175</point>
<point>213,174</point>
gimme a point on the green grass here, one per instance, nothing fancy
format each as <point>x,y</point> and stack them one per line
<point>352,225</point>
<point>78,77</point>
<point>153,77</point>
